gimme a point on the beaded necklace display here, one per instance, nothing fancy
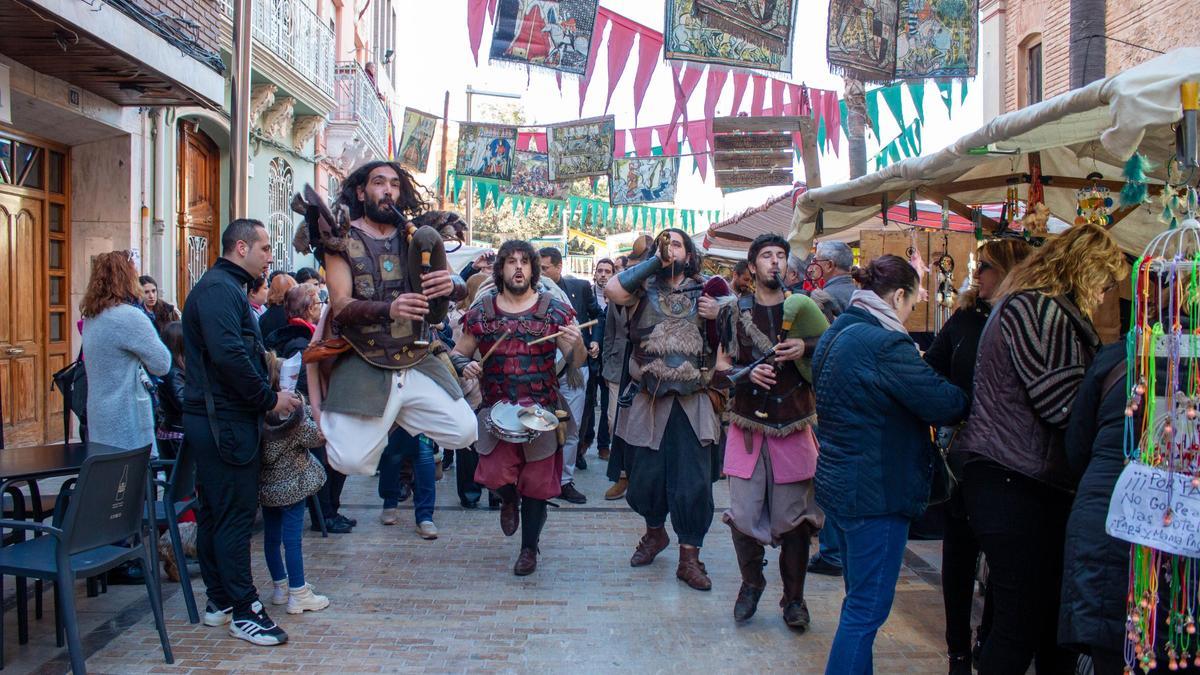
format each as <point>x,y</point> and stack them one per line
<point>1162,430</point>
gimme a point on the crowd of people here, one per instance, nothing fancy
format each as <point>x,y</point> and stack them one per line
<point>798,383</point>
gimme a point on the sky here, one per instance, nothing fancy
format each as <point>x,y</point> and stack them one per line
<point>435,57</point>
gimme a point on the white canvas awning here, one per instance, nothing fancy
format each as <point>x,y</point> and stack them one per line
<point>1091,129</point>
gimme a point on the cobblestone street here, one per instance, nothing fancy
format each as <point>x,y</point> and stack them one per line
<point>401,604</point>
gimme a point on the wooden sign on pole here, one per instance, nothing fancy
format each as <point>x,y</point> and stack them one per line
<point>751,152</point>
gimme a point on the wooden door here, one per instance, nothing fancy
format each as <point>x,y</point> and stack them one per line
<point>22,382</point>
<point>199,202</point>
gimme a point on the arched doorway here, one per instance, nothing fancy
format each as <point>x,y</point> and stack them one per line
<point>280,185</point>
<point>199,204</point>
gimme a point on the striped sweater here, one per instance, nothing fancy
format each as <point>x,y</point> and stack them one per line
<point>1049,352</point>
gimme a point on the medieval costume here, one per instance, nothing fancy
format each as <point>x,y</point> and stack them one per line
<point>386,377</point>
<point>668,424</point>
<point>527,474</point>
<point>770,455</point>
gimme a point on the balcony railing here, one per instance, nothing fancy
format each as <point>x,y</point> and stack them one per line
<point>358,103</point>
<point>295,34</point>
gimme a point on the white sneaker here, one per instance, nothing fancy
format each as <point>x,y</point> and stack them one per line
<point>215,616</point>
<point>427,529</point>
<point>303,599</point>
<point>280,595</point>
<point>257,628</point>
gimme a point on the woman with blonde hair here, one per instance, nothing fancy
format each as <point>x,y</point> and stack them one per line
<point>1016,484</point>
<point>952,355</point>
<point>121,345</point>
<point>275,316</point>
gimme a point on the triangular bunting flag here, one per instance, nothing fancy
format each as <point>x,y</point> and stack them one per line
<point>872,100</point>
<point>649,47</point>
<point>946,89</point>
<point>962,96</point>
<point>758,95</point>
<point>916,91</point>
<point>620,45</point>
<point>642,141</point>
<point>619,143</point>
<point>597,33</point>
<point>476,10</point>
<point>712,90</point>
<point>740,80</point>
<point>778,87</point>
<point>894,98</point>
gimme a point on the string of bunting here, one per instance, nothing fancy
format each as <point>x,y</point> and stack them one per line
<point>602,214</point>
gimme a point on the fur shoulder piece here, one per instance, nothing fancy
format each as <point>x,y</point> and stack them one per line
<point>324,229</point>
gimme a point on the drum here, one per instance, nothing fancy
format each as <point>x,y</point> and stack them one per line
<point>519,424</point>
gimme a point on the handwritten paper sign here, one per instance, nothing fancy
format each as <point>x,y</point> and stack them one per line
<point>1156,509</point>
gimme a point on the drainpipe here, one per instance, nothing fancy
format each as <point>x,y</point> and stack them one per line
<point>1088,48</point>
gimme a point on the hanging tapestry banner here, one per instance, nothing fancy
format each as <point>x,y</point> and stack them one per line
<point>643,180</point>
<point>416,139</point>
<point>486,150</point>
<point>531,177</point>
<point>937,38</point>
<point>583,148</point>
<point>554,34</point>
<point>861,42</point>
<point>732,33</point>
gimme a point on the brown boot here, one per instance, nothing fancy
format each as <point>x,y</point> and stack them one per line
<point>510,510</point>
<point>526,562</point>
<point>793,567</point>
<point>603,454</point>
<point>617,491</point>
<point>750,560</point>
<point>691,570</point>
<point>652,543</point>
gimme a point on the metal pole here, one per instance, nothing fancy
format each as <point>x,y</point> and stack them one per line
<point>470,182</point>
<point>239,129</point>
<point>442,179</point>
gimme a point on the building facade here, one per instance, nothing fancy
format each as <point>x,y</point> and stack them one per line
<point>1028,46</point>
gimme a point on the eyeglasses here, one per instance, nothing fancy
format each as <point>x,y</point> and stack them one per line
<point>984,266</point>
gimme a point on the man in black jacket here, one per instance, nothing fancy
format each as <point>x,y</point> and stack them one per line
<point>225,398</point>
<point>583,300</point>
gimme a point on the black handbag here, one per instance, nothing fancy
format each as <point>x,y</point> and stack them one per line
<point>944,482</point>
<point>71,382</point>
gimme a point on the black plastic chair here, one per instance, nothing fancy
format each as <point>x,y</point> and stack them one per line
<point>107,505</point>
<point>179,495</point>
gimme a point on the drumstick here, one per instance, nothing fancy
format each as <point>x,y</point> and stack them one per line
<point>551,336</point>
<point>503,337</point>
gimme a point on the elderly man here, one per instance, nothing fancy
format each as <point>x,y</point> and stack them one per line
<point>834,258</point>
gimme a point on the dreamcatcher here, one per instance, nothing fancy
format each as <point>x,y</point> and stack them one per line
<point>947,294</point>
<point>1095,203</point>
<point>1162,439</point>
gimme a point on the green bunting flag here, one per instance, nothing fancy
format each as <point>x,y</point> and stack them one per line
<point>916,91</point>
<point>962,94</point>
<point>872,99</point>
<point>893,97</point>
<point>946,89</point>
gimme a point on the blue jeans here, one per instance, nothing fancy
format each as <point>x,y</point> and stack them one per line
<point>873,550</point>
<point>283,525</point>
<point>420,451</point>
<point>828,548</point>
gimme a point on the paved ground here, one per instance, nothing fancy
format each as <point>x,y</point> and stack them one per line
<point>401,604</point>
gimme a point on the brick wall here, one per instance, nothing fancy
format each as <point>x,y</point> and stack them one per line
<point>1027,18</point>
<point>207,15</point>
<point>1164,25</point>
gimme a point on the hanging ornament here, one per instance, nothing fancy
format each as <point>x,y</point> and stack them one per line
<point>1095,203</point>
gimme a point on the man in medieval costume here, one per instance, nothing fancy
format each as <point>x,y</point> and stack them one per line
<point>669,424</point>
<point>503,324</point>
<point>770,449</point>
<point>390,372</point>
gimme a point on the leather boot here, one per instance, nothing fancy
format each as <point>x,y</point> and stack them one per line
<point>793,567</point>
<point>690,569</point>
<point>533,518</point>
<point>526,562</point>
<point>750,556</point>
<point>510,513</point>
<point>652,543</point>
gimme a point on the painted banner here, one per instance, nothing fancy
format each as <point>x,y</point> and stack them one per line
<point>531,177</point>
<point>416,139</point>
<point>643,180</point>
<point>486,150</point>
<point>555,34</point>
<point>937,38</point>
<point>579,149</point>
<point>731,33</point>
<point>861,42</point>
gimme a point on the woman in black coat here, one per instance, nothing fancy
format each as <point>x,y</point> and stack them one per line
<point>275,316</point>
<point>952,355</point>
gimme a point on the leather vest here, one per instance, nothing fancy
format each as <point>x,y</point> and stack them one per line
<point>518,372</point>
<point>671,354</point>
<point>789,405</point>
<point>377,269</point>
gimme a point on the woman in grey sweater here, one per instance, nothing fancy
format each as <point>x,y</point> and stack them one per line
<point>120,345</point>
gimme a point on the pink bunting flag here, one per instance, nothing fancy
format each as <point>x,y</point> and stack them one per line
<point>777,103</point>
<point>833,121</point>
<point>476,10</point>
<point>712,90</point>
<point>642,141</point>
<point>492,9</point>
<point>620,45</point>
<point>739,90</point>
<point>758,96</point>
<point>619,143</point>
<point>668,138</point>
<point>685,85</point>
<point>795,104</point>
<point>597,33</point>
<point>650,45</point>
<point>697,137</point>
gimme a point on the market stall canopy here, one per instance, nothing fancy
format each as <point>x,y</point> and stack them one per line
<point>1092,129</point>
<point>735,234</point>
<point>929,216</point>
